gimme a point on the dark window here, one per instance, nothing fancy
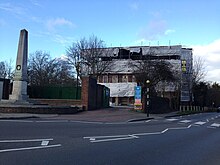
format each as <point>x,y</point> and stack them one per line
<point>119,78</point>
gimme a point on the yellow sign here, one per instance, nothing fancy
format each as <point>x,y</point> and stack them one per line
<point>183,66</point>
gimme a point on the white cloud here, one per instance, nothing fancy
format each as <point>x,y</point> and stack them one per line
<point>53,23</point>
<point>61,39</point>
<point>36,3</point>
<point>8,7</point>
<point>169,31</point>
<point>211,55</point>
<point>57,38</point>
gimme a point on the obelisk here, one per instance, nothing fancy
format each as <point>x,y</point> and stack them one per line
<point>19,91</point>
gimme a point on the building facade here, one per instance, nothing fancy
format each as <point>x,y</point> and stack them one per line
<point>119,77</point>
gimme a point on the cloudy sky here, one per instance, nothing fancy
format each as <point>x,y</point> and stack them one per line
<point>53,25</point>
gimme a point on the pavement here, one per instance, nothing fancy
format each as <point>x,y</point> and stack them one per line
<point>108,115</point>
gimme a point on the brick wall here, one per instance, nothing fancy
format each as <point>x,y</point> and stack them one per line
<point>57,102</point>
<point>92,94</point>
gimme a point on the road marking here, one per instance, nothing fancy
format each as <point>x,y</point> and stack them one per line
<point>200,123</point>
<point>25,140</point>
<point>30,148</point>
<point>96,139</point>
<point>52,121</point>
<point>113,136</point>
<point>86,122</point>
<point>215,125</point>
<point>45,142</point>
<point>185,121</point>
<point>172,119</point>
<point>22,121</point>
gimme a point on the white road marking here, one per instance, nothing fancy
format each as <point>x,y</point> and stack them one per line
<point>148,133</point>
<point>96,139</point>
<point>215,125</point>
<point>172,119</point>
<point>114,139</point>
<point>185,121</point>
<point>30,148</point>
<point>86,122</point>
<point>22,121</point>
<point>45,142</point>
<point>24,140</point>
<point>52,121</point>
<point>113,136</point>
<point>199,123</point>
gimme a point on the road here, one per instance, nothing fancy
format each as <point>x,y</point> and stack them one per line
<point>193,139</point>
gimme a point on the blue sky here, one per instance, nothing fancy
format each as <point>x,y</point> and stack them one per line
<point>53,25</point>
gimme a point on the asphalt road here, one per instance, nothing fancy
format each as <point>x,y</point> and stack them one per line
<point>184,140</point>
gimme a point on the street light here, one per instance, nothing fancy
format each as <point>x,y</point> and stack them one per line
<point>147,105</point>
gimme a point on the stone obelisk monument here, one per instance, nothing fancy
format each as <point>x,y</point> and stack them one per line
<point>19,91</point>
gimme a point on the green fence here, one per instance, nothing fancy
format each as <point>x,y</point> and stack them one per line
<point>53,92</point>
<point>106,96</point>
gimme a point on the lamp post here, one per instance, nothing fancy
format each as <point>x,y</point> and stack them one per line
<point>147,105</point>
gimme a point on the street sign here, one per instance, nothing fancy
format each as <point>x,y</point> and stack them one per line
<point>137,96</point>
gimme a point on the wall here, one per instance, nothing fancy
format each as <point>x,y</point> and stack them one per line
<point>54,92</point>
<point>94,96</point>
<point>6,88</point>
<point>56,102</point>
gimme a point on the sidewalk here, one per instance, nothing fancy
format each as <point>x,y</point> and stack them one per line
<point>109,115</point>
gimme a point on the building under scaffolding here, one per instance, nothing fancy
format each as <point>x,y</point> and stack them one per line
<point>120,76</point>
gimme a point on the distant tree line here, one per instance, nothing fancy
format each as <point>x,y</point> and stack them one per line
<point>6,69</point>
<point>44,70</point>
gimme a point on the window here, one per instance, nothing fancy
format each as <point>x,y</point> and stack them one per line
<point>100,79</point>
<point>114,78</point>
<point>133,78</point>
<point>119,78</point>
<point>124,78</point>
<point>110,78</point>
<point>129,78</point>
<point>105,79</point>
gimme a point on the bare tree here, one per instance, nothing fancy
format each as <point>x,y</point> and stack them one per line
<point>6,70</point>
<point>2,70</point>
<point>42,70</point>
<point>88,53</point>
<point>199,71</point>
